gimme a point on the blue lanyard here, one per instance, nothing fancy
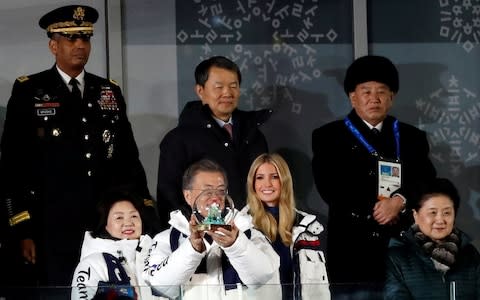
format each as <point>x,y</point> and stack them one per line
<point>371,150</point>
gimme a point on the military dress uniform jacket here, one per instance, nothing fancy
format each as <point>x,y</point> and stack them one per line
<point>346,177</point>
<point>199,136</point>
<point>58,155</point>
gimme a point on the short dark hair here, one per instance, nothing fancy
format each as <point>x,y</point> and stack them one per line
<point>111,197</point>
<point>435,187</point>
<point>203,165</point>
<point>202,70</point>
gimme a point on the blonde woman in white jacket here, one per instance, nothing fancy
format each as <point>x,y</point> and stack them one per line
<point>113,255</point>
<point>223,264</point>
<point>295,235</point>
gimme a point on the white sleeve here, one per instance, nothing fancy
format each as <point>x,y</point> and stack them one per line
<point>86,278</point>
<point>254,259</point>
<point>165,270</point>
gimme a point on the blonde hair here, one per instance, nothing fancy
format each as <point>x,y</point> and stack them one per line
<point>262,219</point>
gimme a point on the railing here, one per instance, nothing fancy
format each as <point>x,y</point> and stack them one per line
<point>201,292</point>
<point>198,292</point>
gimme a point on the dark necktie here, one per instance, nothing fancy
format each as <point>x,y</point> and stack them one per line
<point>229,129</point>
<point>75,90</point>
<point>375,131</point>
<point>375,139</point>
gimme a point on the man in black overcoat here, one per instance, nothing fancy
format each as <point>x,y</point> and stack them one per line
<point>355,166</point>
<point>202,133</point>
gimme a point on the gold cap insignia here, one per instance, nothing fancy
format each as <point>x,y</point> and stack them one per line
<point>70,20</point>
<point>79,13</point>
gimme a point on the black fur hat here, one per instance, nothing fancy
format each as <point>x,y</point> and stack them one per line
<point>371,68</point>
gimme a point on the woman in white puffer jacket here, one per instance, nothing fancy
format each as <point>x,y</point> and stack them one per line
<point>113,255</point>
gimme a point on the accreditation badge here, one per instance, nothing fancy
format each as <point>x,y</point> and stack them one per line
<point>389,177</point>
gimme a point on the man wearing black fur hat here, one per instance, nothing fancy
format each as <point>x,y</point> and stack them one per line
<point>66,140</point>
<point>353,163</point>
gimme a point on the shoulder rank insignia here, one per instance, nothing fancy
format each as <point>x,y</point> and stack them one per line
<point>113,82</point>
<point>19,218</point>
<point>23,78</point>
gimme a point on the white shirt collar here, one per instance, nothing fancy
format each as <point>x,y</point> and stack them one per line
<point>66,78</point>
<point>379,126</point>
<point>221,122</point>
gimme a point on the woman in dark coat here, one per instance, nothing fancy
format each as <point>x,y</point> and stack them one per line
<point>434,259</point>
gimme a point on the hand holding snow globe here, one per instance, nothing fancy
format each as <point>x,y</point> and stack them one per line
<point>213,208</point>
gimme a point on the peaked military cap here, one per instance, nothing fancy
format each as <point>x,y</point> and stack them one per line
<point>70,20</point>
<point>371,68</point>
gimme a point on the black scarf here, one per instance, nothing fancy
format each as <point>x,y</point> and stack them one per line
<point>442,253</point>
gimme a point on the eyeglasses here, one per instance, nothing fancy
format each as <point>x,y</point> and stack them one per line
<point>212,192</point>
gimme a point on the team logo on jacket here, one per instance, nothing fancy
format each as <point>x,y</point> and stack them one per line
<point>107,99</point>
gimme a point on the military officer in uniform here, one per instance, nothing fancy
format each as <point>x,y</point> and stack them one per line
<point>66,140</point>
